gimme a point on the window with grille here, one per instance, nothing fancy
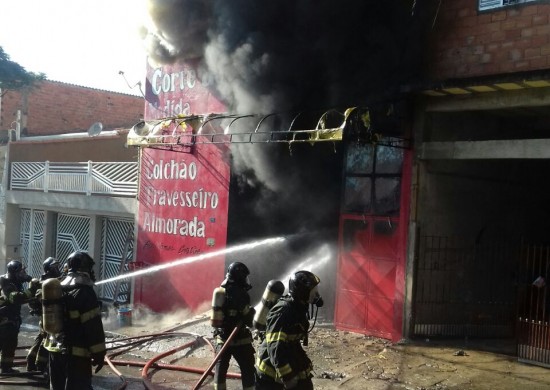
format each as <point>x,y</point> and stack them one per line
<point>373,179</point>
<point>485,5</point>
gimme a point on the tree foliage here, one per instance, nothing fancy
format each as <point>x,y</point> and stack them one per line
<point>13,76</point>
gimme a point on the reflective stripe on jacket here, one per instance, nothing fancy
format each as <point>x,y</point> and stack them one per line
<point>281,354</point>
<point>13,296</point>
<point>83,332</point>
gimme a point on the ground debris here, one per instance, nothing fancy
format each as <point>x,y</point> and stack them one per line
<point>335,376</point>
<point>460,353</point>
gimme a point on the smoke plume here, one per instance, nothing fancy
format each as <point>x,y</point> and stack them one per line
<point>292,54</point>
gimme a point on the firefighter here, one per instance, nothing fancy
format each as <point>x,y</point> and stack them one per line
<point>12,297</point>
<point>37,358</point>
<point>79,342</point>
<point>236,312</point>
<point>282,363</point>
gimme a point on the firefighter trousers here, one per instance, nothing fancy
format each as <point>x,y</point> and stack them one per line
<point>9,332</point>
<point>244,356</point>
<point>266,383</point>
<point>69,372</point>
<point>37,358</point>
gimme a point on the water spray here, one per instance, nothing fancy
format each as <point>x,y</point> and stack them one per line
<point>312,262</point>
<point>192,259</point>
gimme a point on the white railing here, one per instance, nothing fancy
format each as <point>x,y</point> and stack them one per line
<point>90,178</point>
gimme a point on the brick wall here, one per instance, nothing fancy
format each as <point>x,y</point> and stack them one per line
<point>58,108</point>
<point>467,43</point>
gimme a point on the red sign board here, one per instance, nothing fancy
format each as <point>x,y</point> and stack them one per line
<point>183,200</point>
<point>178,90</point>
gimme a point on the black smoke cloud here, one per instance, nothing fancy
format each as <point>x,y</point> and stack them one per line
<point>287,56</point>
<point>267,56</point>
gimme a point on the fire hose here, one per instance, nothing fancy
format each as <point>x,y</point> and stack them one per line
<point>217,357</point>
<point>153,363</point>
<point>144,376</point>
<point>140,340</point>
<point>117,372</point>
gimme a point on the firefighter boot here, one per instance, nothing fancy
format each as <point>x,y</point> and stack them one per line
<point>8,370</point>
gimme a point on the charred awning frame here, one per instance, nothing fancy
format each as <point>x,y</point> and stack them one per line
<point>333,125</point>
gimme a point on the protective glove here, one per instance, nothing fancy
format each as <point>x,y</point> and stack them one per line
<point>98,361</point>
<point>291,383</point>
<point>26,278</point>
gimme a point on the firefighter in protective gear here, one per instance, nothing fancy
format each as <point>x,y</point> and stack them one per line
<point>236,312</point>
<point>37,358</point>
<point>282,363</point>
<point>12,297</point>
<point>81,342</point>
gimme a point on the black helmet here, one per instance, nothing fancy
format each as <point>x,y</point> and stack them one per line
<point>80,261</point>
<point>16,272</point>
<point>237,273</point>
<point>51,266</point>
<point>301,284</point>
<point>14,267</point>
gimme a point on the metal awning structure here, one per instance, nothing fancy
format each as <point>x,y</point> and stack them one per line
<point>328,126</point>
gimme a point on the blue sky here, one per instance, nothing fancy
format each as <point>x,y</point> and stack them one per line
<point>80,42</point>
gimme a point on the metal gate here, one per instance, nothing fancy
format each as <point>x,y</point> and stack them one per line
<point>115,233</point>
<point>368,269</point>
<point>33,224</point>
<point>533,305</point>
<point>73,234</point>
<point>464,289</point>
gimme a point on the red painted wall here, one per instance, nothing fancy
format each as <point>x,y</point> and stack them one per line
<point>183,199</point>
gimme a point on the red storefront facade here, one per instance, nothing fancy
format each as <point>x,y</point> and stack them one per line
<point>183,199</point>
<point>183,213</point>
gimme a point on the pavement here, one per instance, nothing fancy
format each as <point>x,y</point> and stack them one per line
<point>342,360</point>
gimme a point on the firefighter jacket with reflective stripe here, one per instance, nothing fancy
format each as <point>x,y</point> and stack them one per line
<point>13,296</point>
<point>280,354</point>
<point>236,310</point>
<point>82,333</point>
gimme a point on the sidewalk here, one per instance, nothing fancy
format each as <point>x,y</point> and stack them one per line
<point>341,360</point>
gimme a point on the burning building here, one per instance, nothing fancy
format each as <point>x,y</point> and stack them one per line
<point>292,119</point>
<point>398,149</point>
<point>379,138</point>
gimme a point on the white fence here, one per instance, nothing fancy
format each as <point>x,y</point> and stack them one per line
<point>90,178</point>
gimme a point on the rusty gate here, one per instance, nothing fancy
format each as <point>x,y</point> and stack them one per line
<point>533,305</point>
<point>464,289</point>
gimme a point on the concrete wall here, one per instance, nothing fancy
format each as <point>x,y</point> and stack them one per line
<point>467,43</point>
<point>477,200</point>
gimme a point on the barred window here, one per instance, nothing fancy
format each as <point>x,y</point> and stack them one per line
<point>485,5</point>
